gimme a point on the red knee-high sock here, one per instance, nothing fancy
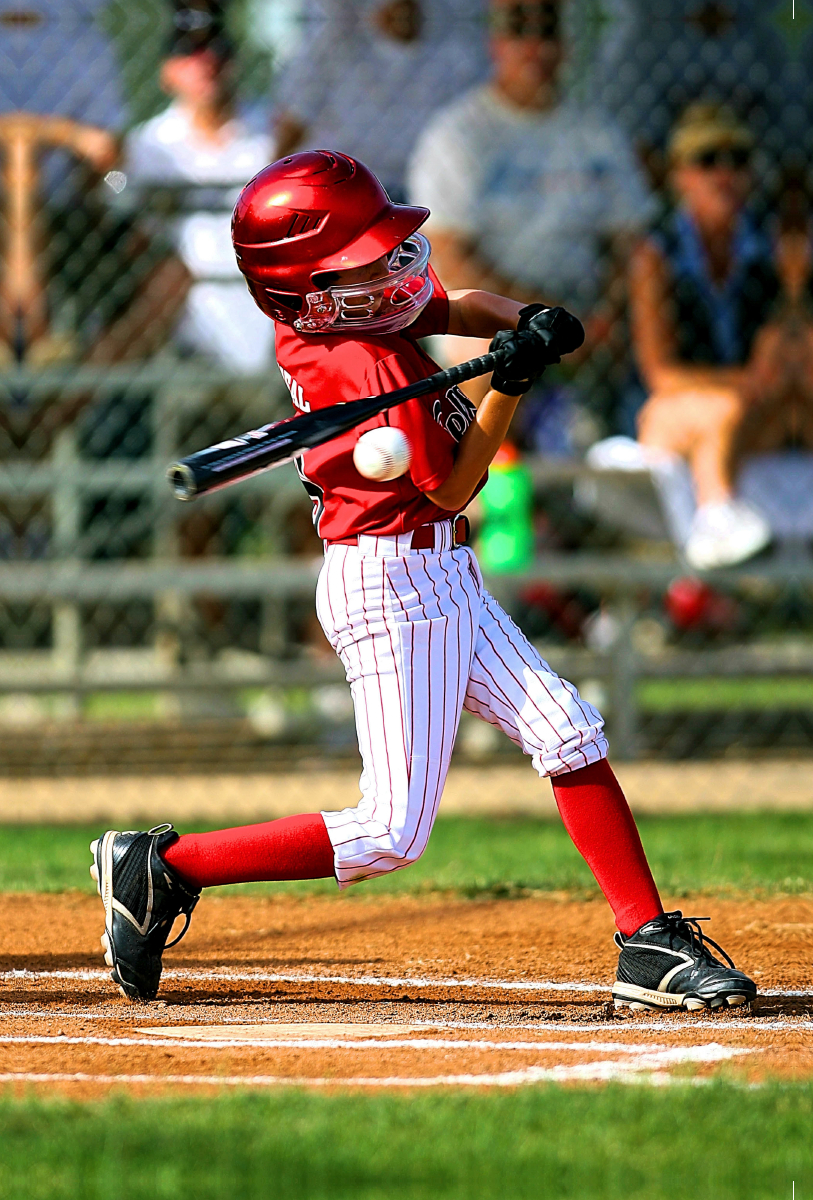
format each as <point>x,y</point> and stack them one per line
<point>290,848</point>
<point>597,817</point>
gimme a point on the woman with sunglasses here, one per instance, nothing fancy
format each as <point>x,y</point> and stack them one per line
<point>703,292</point>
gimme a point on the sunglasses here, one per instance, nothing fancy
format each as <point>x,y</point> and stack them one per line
<point>734,157</point>
<point>527,20</point>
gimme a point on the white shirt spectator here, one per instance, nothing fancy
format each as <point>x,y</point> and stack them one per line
<point>370,96</point>
<point>535,192</point>
<point>221,320</point>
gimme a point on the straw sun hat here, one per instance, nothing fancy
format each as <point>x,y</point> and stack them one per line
<point>703,128</point>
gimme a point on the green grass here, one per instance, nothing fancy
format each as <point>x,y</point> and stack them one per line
<point>121,706</point>
<point>653,695</point>
<point>666,695</point>
<point>748,852</point>
<point>632,1143</point>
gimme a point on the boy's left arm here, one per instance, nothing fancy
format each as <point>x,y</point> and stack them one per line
<point>473,313</point>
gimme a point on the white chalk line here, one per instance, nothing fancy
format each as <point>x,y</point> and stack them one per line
<point>667,1023</point>
<point>78,1014</point>
<point>183,973</point>
<point>647,1067</point>
<point>505,985</point>
<point>372,1042</point>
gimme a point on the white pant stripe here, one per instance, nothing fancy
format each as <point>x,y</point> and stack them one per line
<point>420,641</point>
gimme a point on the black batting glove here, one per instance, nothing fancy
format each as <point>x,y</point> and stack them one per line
<point>543,335</point>
<point>561,332</point>
<point>523,361</point>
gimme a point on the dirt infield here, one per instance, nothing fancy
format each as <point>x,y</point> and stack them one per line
<point>394,992</point>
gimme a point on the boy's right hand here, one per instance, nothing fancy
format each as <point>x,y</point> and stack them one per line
<point>557,327</point>
<point>524,358</point>
<point>543,335</point>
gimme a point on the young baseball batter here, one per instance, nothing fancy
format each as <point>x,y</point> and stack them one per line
<point>345,275</point>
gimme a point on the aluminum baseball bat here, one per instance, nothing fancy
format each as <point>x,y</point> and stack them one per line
<point>258,450</point>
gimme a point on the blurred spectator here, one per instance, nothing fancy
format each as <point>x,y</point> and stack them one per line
<point>647,62</point>
<point>60,95</point>
<point>26,331</point>
<point>531,194</point>
<point>704,292</point>
<point>523,185</point>
<point>59,60</point>
<point>200,151</point>
<point>373,74</point>
<point>783,420</point>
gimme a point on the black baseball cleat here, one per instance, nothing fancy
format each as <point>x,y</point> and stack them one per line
<point>667,964</point>
<point>142,896</point>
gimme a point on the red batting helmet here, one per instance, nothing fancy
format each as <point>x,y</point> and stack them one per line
<point>318,212</point>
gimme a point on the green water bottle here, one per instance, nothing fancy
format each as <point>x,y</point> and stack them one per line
<point>507,534</point>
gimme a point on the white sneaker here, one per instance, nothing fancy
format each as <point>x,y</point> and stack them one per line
<point>724,534</point>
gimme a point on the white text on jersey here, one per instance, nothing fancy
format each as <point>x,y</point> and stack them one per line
<point>296,391</point>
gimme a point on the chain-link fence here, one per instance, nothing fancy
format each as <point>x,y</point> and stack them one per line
<point>650,521</point>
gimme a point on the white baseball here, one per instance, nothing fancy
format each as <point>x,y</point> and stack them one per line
<point>383,453</point>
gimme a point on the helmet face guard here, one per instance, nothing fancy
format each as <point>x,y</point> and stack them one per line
<point>381,306</point>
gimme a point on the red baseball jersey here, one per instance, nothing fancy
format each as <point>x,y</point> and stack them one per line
<point>339,367</point>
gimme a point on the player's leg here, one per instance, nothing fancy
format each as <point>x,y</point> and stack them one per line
<point>404,629</point>
<point>511,686</point>
<point>664,962</point>
<point>147,879</point>
<point>288,848</point>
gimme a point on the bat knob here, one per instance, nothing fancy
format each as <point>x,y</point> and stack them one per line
<point>183,481</point>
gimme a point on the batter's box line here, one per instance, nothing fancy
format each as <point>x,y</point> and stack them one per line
<point>373,1043</point>
<point>647,1069</point>
<point>667,1023</point>
<point>182,974</point>
<point>185,973</point>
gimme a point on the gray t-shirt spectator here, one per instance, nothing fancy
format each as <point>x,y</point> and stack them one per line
<point>535,193</point>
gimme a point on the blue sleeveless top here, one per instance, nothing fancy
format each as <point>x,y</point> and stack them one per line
<point>716,323</point>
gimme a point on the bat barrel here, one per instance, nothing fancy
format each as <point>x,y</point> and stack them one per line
<point>232,461</point>
<point>182,480</point>
<point>203,473</point>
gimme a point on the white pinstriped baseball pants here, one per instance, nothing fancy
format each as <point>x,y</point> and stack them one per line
<point>421,640</point>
